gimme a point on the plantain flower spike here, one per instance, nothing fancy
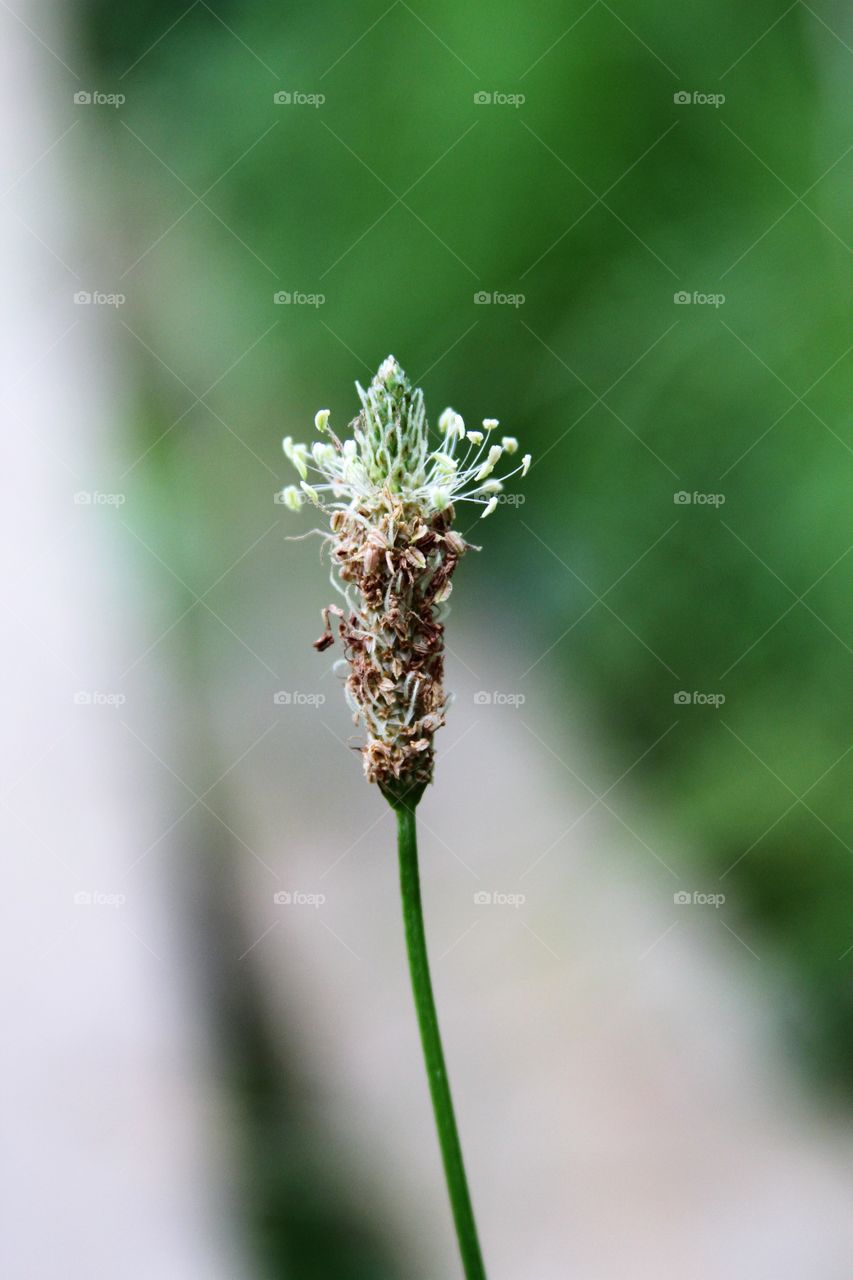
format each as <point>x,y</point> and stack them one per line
<point>389,498</point>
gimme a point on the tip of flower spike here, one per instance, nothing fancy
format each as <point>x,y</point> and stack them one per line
<point>390,460</point>
<point>391,376</point>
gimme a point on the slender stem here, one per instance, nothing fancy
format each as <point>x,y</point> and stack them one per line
<point>442,1104</point>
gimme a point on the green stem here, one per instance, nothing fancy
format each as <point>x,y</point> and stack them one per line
<point>442,1104</point>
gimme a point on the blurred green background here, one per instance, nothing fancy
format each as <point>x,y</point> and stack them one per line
<point>582,212</point>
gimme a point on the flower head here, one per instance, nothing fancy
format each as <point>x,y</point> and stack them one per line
<point>389,496</point>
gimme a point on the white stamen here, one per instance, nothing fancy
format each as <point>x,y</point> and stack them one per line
<point>489,465</point>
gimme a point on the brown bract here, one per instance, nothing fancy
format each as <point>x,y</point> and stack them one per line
<point>395,565</point>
